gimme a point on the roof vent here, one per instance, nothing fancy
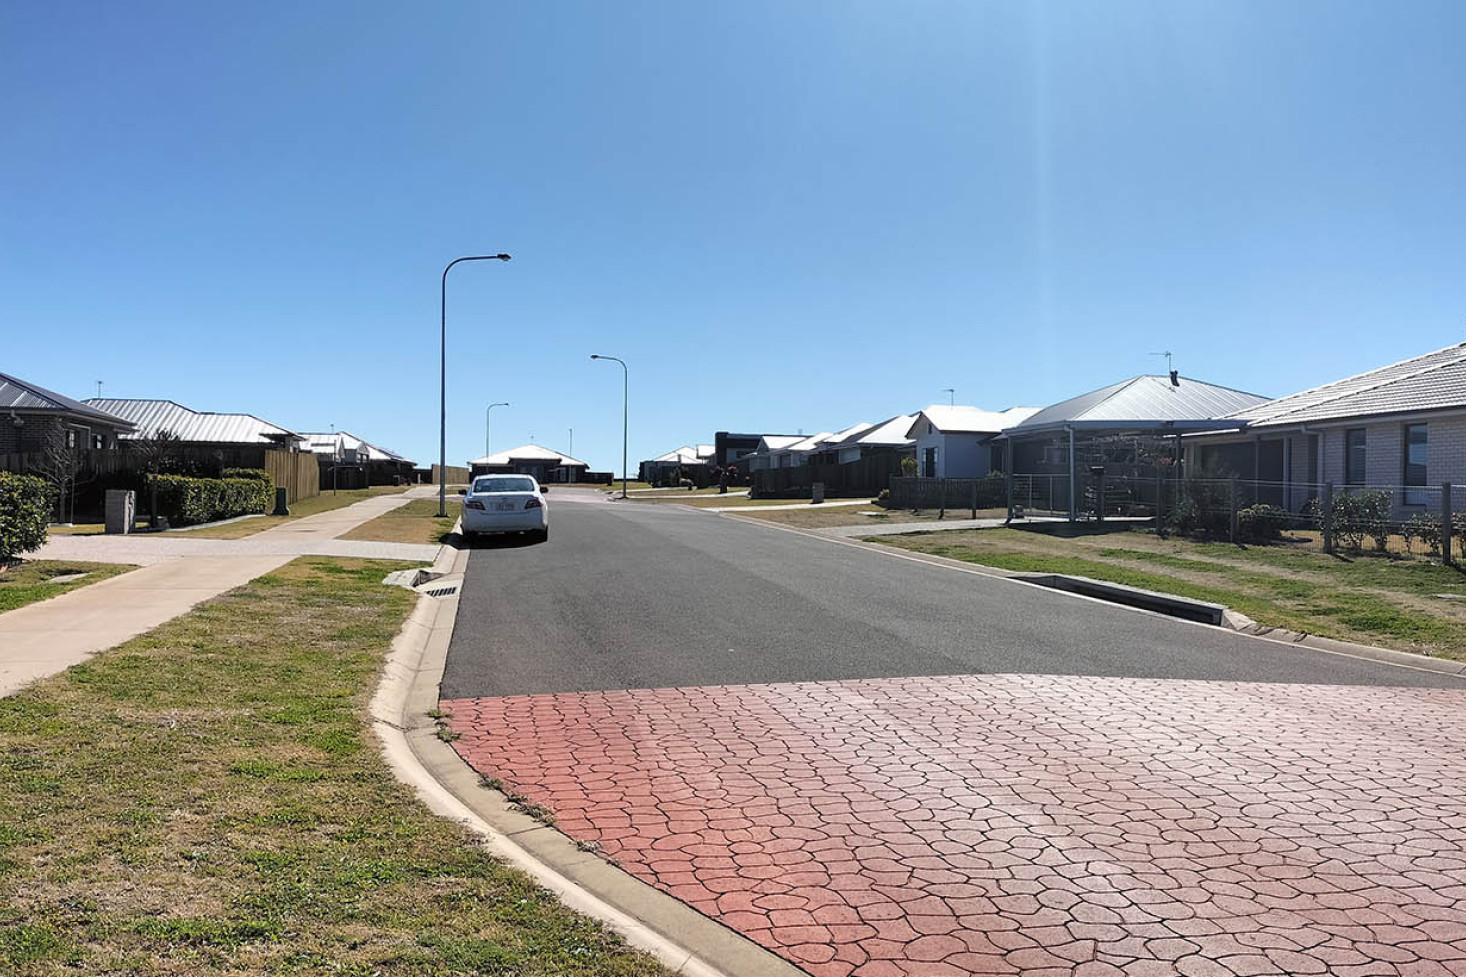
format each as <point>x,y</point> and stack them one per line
<point>1175,379</point>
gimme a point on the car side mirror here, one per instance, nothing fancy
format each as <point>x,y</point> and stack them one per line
<point>463,491</point>
<point>544,490</point>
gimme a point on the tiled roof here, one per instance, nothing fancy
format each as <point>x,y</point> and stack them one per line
<point>1433,381</point>
<point>1143,401</point>
<point>207,427</point>
<point>16,394</point>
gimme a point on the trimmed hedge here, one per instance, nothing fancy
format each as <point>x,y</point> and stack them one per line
<point>25,512</point>
<point>258,474</point>
<point>188,501</point>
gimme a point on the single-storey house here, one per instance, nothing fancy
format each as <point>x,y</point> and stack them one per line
<point>956,442</point>
<point>236,439</point>
<point>1401,427</point>
<point>693,461</point>
<point>1131,429</point>
<point>347,461</point>
<point>865,440</point>
<point>545,464</point>
<point>772,451</point>
<point>34,419</point>
<point>730,448</point>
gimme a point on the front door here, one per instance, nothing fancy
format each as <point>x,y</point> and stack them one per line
<point>930,470</point>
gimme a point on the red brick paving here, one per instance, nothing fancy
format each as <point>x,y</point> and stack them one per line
<point>1022,824</point>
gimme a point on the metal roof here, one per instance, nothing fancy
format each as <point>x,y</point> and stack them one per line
<point>809,443</point>
<point>16,394</point>
<point>203,427</point>
<point>333,443</point>
<point>1143,402</point>
<point>777,442</point>
<point>530,453</point>
<point>1434,381</point>
<point>891,433</point>
<point>970,420</point>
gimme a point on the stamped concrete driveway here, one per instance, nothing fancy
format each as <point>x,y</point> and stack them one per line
<point>876,766</point>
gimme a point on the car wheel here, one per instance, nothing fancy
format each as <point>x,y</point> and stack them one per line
<point>543,535</point>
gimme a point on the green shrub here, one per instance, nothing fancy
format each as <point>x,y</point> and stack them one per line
<point>1261,523</point>
<point>1203,509</point>
<point>25,511</point>
<point>188,501</point>
<point>908,467</point>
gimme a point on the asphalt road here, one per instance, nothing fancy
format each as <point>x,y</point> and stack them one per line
<point>634,597</point>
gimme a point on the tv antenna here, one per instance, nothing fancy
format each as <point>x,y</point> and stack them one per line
<point>951,393</point>
<point>1167,355</point>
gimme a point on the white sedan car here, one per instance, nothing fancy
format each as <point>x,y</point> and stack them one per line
<point>506,504</point>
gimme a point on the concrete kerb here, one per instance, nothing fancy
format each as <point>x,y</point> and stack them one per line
<point>676,934</point>
<point>1231,620</point>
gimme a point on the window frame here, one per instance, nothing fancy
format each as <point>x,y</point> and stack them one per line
<point>1415,493</point>
<point>1349,455</point>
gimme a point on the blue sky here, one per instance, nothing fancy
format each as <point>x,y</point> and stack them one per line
<point>784,216</point>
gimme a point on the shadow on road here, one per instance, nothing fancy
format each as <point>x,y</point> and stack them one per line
<point>499,541</point>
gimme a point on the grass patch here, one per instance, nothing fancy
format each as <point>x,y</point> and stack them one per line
<point>415,522</point>
<point>30,582</point>
<point>1375,600</point>
<point>325,502</point>
<point>207,799</point>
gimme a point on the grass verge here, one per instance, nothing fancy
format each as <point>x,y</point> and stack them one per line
<point>415,522</point>
<point>30,582</point>
<point>1373,600</point>
<point>325,502</point>
<point>207,799</point>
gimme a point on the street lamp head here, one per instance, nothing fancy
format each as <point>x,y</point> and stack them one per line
<point>502,257</point>
<point>595,356</point>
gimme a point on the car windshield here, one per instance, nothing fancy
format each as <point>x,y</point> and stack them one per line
<point>503,483</point>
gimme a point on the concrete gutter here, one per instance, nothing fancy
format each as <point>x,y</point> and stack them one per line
<point>1231,620</point>
<point>679,936</point>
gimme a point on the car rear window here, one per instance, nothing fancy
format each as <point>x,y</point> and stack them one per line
<point>504,483</point>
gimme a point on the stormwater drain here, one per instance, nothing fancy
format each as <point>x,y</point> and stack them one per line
<point>442,591</point>
<point>1184,608</point>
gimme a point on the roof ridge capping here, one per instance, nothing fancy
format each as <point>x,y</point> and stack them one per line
<point>1254,414</point>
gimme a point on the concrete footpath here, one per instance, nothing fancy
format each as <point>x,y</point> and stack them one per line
<point>174,575</point>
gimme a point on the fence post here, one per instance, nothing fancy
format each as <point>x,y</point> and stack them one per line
<point>1232,525</point>
<point>1160,515</point>
<point>1327,517</point>
<point>1447,557</point>
<point>1008,489</point>
<point>974,498</point>
<point>942,491</point>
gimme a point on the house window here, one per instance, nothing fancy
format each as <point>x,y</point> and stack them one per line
<point>1417,454</point>
<point>98,442</point>
<point>1354,471</point>
<point>70,439</point>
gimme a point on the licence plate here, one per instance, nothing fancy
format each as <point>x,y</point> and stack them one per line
<point>505,507</point>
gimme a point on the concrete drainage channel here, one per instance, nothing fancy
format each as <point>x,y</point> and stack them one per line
<point>426,581</point>
<point>1199,611</point>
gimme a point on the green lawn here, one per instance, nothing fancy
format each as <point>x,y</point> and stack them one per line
<point>1370,599</point>
<point>208,799</point>
<point>29,582</point>
<point>324,502</point>
<point>415,522</point>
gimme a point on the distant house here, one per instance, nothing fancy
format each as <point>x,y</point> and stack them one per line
<point>1132,429</point>
<point>347,461</point>
<point>545,464</point>
<point>730,448</point>
<point>34,419</point>
<point>771,451</point>
<point>956,442</point>
<point>864,441</point>
<point>1401,426</point>
<point>693,461</point>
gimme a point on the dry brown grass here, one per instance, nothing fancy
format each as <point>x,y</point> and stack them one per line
<point>415,522</point>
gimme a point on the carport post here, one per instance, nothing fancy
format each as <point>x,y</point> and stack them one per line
<point>1073,480</point>
<point>1008,475</point>
<point>1447,557</point>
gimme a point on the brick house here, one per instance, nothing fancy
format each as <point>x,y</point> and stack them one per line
<point>1401,427</point>
<point>33,419</point>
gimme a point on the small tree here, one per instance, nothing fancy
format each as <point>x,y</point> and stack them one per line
<point>25,509</point>
<point>60,464</point>
<point>156,454</point>
<point>908,467</point>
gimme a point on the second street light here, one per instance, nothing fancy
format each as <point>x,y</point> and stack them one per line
<point>443,380</point>
<point>625,413</point>
<point>502,403</point>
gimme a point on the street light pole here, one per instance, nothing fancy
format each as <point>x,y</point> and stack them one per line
<point>502,403</point>
<point>443,379</point>
<point>625,412</point>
